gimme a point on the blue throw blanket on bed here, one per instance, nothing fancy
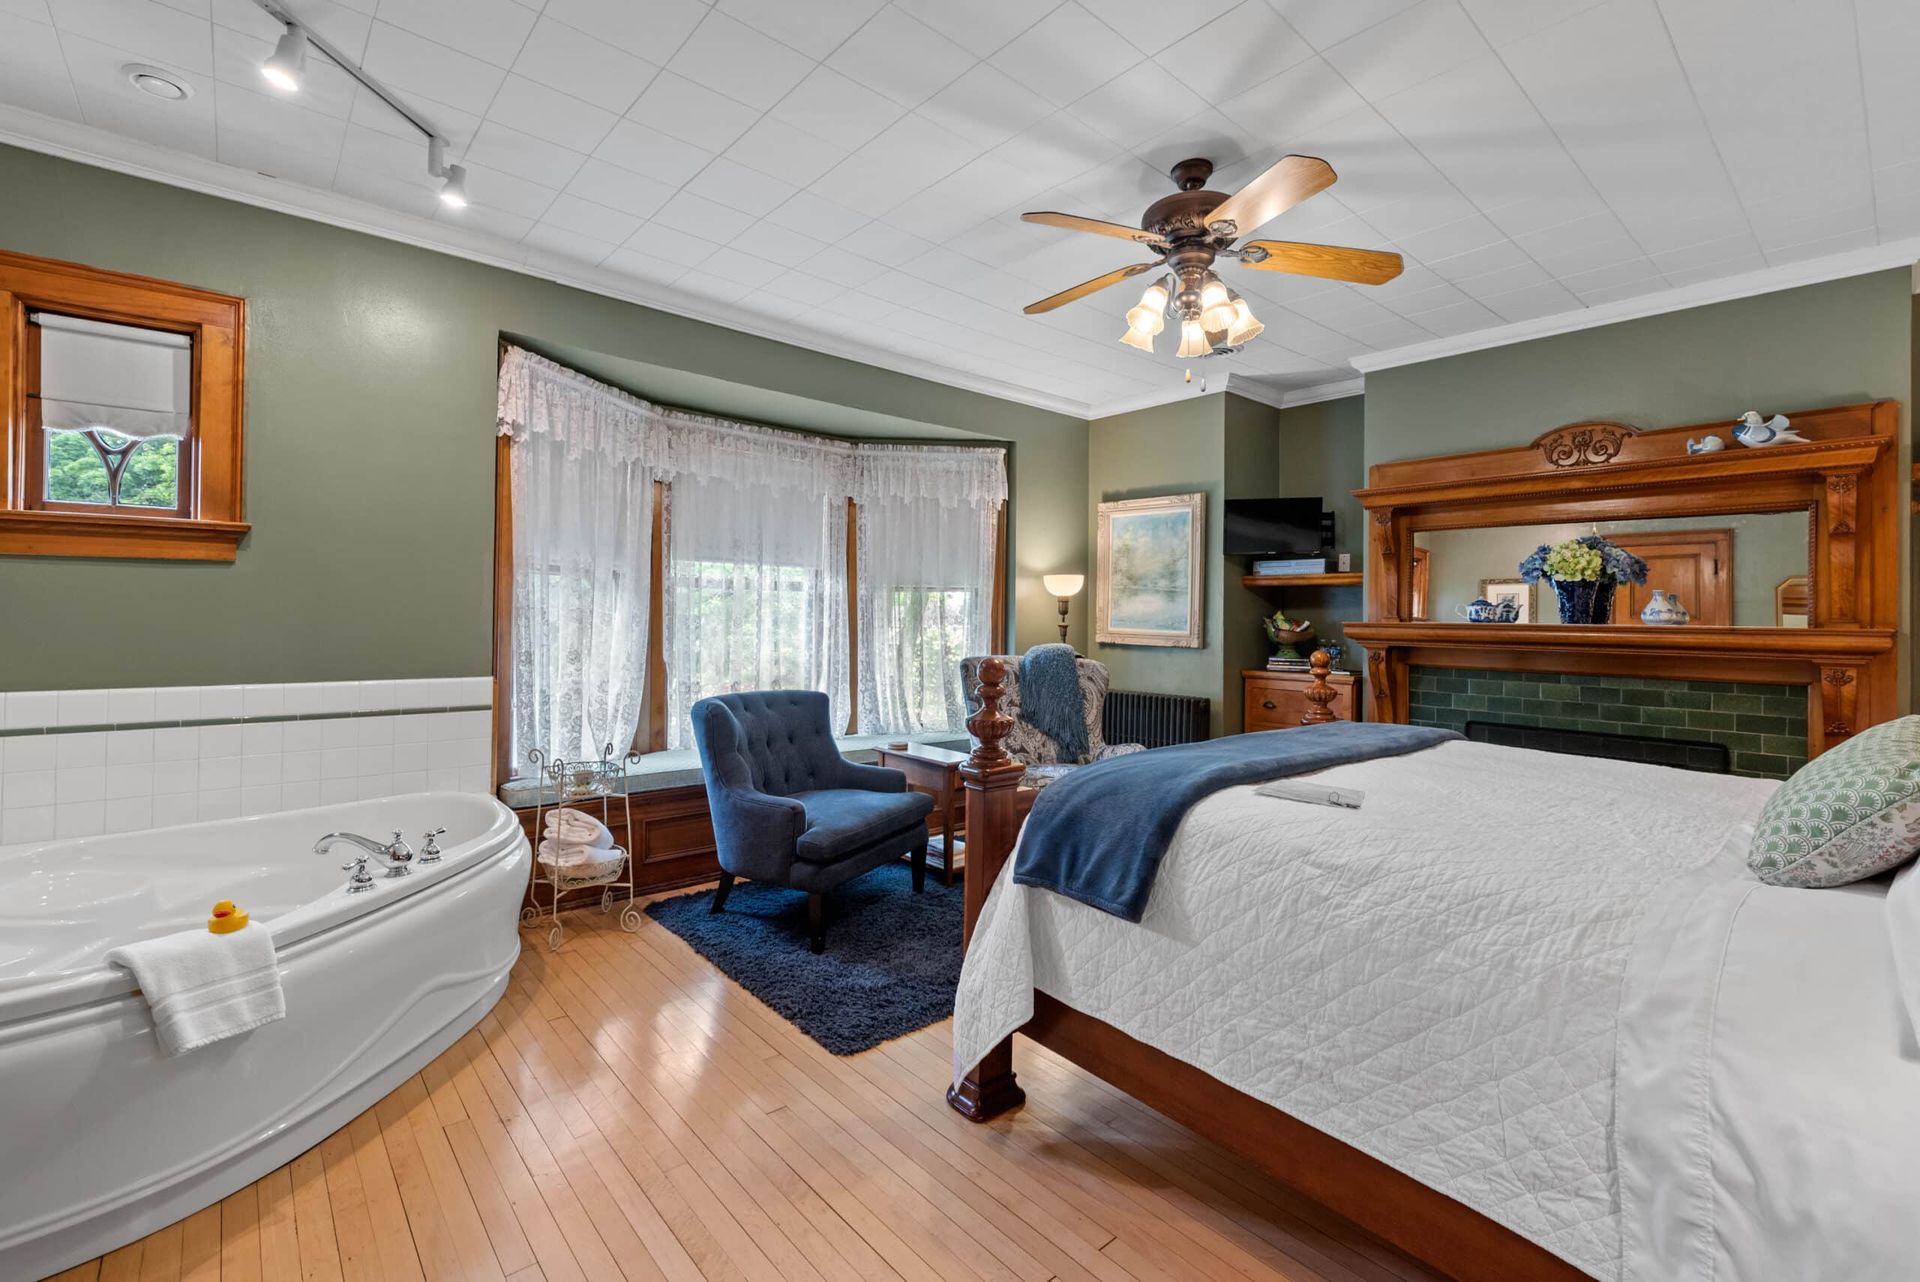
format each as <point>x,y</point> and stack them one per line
<point>1050,698</point>
<point>1098,834</point>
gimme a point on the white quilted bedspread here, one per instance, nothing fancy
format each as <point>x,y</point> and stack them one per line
<point>1434,979</point>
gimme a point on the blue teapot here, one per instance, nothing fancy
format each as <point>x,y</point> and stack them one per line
<point>1481,610</point>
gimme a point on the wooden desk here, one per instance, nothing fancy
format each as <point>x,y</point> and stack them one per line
<point>936,772</point>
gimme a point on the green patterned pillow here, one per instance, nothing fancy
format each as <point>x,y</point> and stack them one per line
<point>1851,812</point>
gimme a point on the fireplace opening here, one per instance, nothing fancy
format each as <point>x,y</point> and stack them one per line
<point>1686,754</point>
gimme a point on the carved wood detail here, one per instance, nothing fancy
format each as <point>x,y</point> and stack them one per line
<point>1584,444</point>
<point>1842,509</point>
<point>1839,701</point>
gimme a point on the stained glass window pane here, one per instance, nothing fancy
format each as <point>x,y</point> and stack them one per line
<point>75,471</point>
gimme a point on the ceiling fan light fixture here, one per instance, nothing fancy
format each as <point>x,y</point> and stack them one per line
<point>289,61</point>
<point>1245,327</point>
<point>1193,340</point>
<point>1216,305</point>
<point>1138,336</point>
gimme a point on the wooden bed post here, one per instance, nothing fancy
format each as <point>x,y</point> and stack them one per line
<point>993,820</point>
<point>1321,692</point>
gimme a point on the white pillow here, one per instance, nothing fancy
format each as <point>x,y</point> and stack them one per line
<point>1850,813</point>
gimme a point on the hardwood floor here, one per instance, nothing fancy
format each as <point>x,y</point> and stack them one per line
<point>627,1112</point>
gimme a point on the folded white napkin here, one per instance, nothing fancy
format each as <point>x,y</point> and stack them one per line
<point>202,987</point>
<point>568,854</point>
<point>577,828</point>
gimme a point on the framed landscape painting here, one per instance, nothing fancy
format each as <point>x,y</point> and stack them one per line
<point>1150,575</point>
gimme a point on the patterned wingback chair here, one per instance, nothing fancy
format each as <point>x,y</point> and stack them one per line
<point>1033,748</point>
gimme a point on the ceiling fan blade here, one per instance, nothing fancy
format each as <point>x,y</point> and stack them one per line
<point>1290,181</point>
<point>1330,262</point>
<point>1093,286</point>
<point>1074,222</point>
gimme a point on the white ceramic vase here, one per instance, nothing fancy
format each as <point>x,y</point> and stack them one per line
<point>1665,610</point>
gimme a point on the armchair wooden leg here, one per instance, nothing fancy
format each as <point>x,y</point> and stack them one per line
<point>721,892</point>
<point>920,866</point>
<point>817,922</point>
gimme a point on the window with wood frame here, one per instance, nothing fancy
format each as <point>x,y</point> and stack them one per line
<point>124,435</point>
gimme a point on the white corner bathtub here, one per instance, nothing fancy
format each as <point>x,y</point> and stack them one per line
<point>102,1137</point>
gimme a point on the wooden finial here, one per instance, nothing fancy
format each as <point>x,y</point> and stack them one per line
<point>1321,692</point>
<point>990,725</point>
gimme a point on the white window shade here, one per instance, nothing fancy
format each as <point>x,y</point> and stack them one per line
<point>137,382</point>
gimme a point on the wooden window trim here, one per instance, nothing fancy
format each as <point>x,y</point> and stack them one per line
<point>212,466</point>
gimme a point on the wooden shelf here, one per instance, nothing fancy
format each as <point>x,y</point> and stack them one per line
<point>1350,579</point>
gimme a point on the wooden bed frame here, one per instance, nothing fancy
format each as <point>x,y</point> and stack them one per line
<point>1421,1221</point>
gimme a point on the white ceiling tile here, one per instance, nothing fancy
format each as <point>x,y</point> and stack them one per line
<point>1597,240</point>
<point>1546,209</point>
<point>911,153</point>
<point>848,268</point>
<point>982,26</point>
<point>818,217</point>
<point>1432,37</point>
<point>492,30</point>
<point>692,113</point>
<point>457,127</point>
<point>1531,302</point>
<point>33,72</point>
<point>673,245</point>
<point>1327,22</point>
<point>31,10</point>
<point>413,64</point>
<point>1400,219</point>
<point>773,244</point>
<point>650,29</point>
<point>570,212</point>
<point>153,31</point>
<point>711,287</point>
<point>1456,318</point>
<point>1066,55</point>
<point>733,59</point>
<point>1889,32</point>
<point>701,217</point>
<point>1504,21</point>
<point>743,269</point>
<point>382,155</point>
<point>792,155</point>
<point>1152,25</point>
<point>570,60</point>
<point>271,157</point>
<point>802,287</point>
<point>901,58</point>
<point>509,193</point>
<point>1478,262</point>
<point>1137,104</point>
<point>610,185</point>
<point>107,101</point>
<point>1476,126</point>
<point>814,28</point>
<point>523,155</point>
<point>1235,52</point>
<point>642,266</point>
<point>986,105</point>
<point>532,108</point>
<point>344,26</point>
<point>396,193</point>
<point>1292,102</point>
<point>1057,149</point>
<point>567,244</point>
<point>643,149</point>
<point>889,245</point>
<point>828,105</point>
<point>738,187</point>
<point>899,287</point>
<point>266,116</point>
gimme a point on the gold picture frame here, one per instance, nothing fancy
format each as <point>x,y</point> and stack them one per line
<point>1519,589</point>
<point>1150,579</point>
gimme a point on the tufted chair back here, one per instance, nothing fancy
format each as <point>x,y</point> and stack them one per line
<point>782,739</point>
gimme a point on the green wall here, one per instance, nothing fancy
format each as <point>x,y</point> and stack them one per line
<point>1834,343</point>
<point>370,404</point>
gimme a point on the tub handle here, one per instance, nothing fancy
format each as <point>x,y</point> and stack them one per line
<point>362,880</point>
<point>429,853</point>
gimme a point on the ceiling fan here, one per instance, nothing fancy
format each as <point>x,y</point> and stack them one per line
<point>1193,227</point>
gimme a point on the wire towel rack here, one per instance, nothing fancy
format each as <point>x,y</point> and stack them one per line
<point>581,785</point>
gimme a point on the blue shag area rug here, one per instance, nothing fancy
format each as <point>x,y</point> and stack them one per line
<point>892,960</point>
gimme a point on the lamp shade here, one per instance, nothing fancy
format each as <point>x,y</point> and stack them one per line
<point>1063,584</point>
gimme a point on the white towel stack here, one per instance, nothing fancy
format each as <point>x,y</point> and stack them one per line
<point>572,837</point>
<point>202,987</point>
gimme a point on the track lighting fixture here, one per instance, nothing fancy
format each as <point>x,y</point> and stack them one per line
<point>289,61</point>
<point>453,192</point>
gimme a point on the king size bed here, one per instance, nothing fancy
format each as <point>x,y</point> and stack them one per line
<point>1518,1025</point>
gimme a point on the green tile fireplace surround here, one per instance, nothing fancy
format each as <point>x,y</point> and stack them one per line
<point>1763,726</point>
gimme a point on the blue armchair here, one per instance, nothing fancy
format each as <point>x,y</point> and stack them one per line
<point>789,809</point>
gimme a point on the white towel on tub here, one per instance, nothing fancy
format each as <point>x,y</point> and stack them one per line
<point>203,987</point>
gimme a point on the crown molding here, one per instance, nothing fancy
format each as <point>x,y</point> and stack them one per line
<point>1767,280</point>
<point>1242,385</point>
<point>88,145</point>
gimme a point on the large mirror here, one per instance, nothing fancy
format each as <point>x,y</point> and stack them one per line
<point>1746,570</point>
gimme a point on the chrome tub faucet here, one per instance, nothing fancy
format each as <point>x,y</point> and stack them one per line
<point>394,856</point>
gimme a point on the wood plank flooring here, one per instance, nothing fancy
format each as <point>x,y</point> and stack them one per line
<point>627,1112</point>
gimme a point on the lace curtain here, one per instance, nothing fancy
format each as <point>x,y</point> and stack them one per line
<point>582,530</point>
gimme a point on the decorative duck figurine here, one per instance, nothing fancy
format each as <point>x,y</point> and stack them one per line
<point>1754,432</point>
<point>1709,445</point>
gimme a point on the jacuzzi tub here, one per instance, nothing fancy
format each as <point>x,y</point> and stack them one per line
<point>102,1137</point>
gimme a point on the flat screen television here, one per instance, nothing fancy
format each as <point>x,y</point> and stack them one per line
<point>1275,527</point>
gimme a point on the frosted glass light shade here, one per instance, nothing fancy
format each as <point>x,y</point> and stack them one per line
<point>1140,337</point>
<point>1216,307</point>
<point>1244,328</point>
<point>1193,339</point>
<point>1063,584</point>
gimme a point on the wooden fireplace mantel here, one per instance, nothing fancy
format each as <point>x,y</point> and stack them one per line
<point>1845,477</point>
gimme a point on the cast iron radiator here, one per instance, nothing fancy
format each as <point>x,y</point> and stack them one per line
<point>1156,720</point>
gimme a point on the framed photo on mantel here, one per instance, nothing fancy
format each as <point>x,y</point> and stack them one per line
<point>1150,571</point>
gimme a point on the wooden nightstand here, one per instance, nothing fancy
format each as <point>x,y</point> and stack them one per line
<point>1277,700</point>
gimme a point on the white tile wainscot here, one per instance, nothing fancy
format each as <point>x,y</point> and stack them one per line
<point>75,763</point>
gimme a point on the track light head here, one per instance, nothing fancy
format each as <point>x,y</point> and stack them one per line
<point>453,192</point>
<point>289,61</point>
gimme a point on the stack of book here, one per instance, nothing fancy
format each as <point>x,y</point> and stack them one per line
<point>1292,565</point>
<point>1278,664</point>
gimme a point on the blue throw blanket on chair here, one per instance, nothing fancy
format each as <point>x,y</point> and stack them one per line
<point>1098,834</point>
<point>1050,698</point>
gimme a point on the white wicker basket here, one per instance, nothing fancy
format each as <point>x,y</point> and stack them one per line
<point>587,866</point>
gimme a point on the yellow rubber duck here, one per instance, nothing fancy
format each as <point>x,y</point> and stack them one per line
<point>226,918</point>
